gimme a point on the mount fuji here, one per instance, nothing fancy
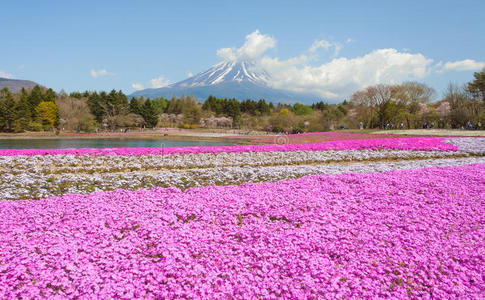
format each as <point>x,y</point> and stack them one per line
<point>238,80</point>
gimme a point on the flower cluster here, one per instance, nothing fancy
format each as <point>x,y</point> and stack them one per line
<point>471,144</point>
<point>393,221</point>
<point>58,164</point>
<point>314,137</point>
<point>407,143</point>
<point>412,233</point>
<point>33,177</point>
<point>35,186</point>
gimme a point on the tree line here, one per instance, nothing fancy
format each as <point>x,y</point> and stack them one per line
<point>33,109</point>
<point>405,105</point>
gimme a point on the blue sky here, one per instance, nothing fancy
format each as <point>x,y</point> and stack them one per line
<point>101,45</point>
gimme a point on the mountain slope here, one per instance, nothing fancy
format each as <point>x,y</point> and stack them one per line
<point>237,80</point>
<point>15,85</point>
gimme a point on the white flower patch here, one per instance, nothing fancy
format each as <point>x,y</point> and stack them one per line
<point>469,144</point>
<point>38,185</point>
<point>60,164</point>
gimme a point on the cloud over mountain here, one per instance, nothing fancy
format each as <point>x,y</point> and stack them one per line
<point>340,76</point>
<point>334,79</point>
<point>5,75</point>
<point>159,82</point>
<point>256,44</point>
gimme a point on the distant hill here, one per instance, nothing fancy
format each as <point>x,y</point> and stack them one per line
<point>15,85</point>
<point>229,80</point>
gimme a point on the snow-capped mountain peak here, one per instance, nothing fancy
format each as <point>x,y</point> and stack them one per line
<point>229,79</point>
<point>227,72</point>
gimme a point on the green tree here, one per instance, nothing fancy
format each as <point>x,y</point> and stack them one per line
<point>190,110</point>
<point>149,114</point>
<point>160,104</point>
<point>232,110</point>
<point>174,106</point>
<point>49,96</point>
<point>24,115</point>
<point>94,104</point>
<point>8,112</point>
<point>47,114</point>
<point>34,98</point>
<point>108,106</point>
<point>135,106</point>
<point>301,110</point>
<point>320,106</point>
<point>263,107</point>
<point>477,86</point>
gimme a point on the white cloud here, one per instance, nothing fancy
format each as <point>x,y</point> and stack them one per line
<point>325,45</point>
<point>338,77</point>
<point>154,83</point>
<point>320,44</point>
<point>159,82</point>
<point>342,76</point>
<point>99,73</point>
<point>462,65</point>
<point>254,46</point>
<point>5,75</point>
<point>190,74</point>
<point>137,86</point>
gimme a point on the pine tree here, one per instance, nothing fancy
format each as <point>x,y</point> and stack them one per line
<point>24,115</point>
<point>49,96</point>
<point>47,114</point>
<point>8,112</point>
<point>135,106</point>
<point>149,114</point>
<point>477,86</point>
<point>95,106</point>
<point>34,98</point>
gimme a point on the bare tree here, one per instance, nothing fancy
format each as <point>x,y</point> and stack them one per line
<point>372,100</point>
<point>412,92</point>
<point>75,114</point>
<point>455,95</point>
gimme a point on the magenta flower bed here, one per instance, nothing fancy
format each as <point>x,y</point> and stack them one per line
<point>315,137</point>
<point>408,143</point>
<point>414,233</point>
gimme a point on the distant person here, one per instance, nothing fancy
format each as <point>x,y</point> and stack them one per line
<point>361,125</point>
<point>479,125</point>
<point>341,126</point>
<point>401,126</point>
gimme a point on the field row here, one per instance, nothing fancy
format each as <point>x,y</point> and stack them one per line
<point>39,185</point>
<point>61,164</point>
<point>407,143</point>
<point>410,233</point>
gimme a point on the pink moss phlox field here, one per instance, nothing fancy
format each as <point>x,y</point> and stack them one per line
<point>407,143</point>
<point>314,137</point>
<point>414,233</point>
